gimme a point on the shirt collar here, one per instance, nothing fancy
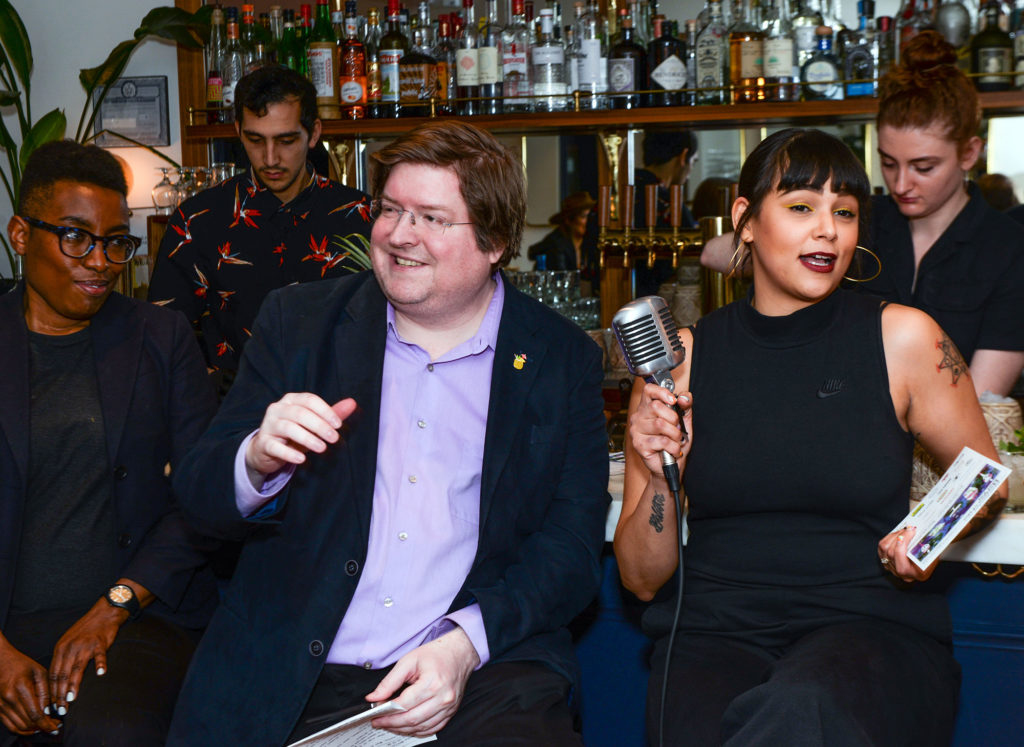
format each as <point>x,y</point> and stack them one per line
<point>312,178</point>
<point>486,335</point>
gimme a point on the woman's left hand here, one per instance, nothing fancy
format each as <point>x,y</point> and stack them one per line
<point>892,554</point>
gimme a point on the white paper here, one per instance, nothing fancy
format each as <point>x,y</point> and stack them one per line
<point>357,732</point>
<point>954,500</point>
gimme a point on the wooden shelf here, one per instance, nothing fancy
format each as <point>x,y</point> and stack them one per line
<point>704,117</point>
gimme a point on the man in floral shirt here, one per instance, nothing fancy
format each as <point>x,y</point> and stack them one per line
<point>277,224</point>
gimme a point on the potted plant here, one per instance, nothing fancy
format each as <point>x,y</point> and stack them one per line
<point>173,24</point>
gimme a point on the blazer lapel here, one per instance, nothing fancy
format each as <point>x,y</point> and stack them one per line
<point>14,386</point>
<point>117,336</point>
<point>359,340</point>
<point>511,385</point>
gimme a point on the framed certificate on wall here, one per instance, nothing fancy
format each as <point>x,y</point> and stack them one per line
<point>135,108</point>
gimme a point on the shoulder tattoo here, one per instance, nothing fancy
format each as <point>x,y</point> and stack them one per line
<point>657,519</point>
<point>951,360</point>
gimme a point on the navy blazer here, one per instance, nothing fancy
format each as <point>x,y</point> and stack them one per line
<point>156,400</point>
<point>543,501</point>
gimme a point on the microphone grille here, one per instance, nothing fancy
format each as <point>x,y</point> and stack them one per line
<point>651,335</point>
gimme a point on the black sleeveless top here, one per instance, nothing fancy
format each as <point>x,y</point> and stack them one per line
<point>799,467</point>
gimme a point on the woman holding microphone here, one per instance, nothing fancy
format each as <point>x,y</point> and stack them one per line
<point>802,621</point>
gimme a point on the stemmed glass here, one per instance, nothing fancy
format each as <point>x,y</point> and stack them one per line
<point>186,186</point>
<point>165,194</point>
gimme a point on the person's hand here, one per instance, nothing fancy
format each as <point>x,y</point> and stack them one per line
<point>654,426</point>
<point>436,673</point>
<point>87,640</point>
<point>892,554</point>
<point>24,697</point>
<point>291,427</point>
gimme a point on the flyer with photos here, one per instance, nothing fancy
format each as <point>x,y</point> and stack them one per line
<point>954,500</point>
<point>357,732</point>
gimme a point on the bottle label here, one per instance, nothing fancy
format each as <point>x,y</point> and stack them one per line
<point>467,69</point>
<point>751,59</point>
<point>709,62</point>
<point>778,58</point>
<point>517,77</point>
<point>442,80</point>
<point>820,77</point>
<point>589,63</point>
<point>621,75</point>
<point>670,74</point>
<point>806,40</point>
<point>490,67</point>
<point>351,27</point>
<point>548,89</point>
<point>353,91</point>
<point>228,92</point>
<point>214,90</point>
<point>553,55</point>
<point>860,67</point>
<point>994,60</point>
<point>390,79</point>
<point>321,70</point>
<point>373,81</point>
<point>418,83</point>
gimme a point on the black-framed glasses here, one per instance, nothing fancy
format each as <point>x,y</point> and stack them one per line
<point>391,214</point>
<point>77,242</point>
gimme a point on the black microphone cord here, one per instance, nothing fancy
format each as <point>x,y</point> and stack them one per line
<point>679,607</point>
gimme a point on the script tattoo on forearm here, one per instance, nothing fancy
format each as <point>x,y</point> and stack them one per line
<point>657,519</point>
<point>951,359</point>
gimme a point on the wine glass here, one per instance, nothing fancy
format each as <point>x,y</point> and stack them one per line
<point>186,186</point>
<point>165,195</point>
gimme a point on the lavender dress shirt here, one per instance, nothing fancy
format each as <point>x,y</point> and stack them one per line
<point>426,505</point>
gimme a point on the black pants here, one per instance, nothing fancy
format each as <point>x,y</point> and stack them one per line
<point>132,703</point>
<point>856,684</point>
<point>512,703</point>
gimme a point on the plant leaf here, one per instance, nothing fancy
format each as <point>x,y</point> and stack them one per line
<point>6,141</point>
<point>50,126</point>
<point>15,42</point>
<point>9,97</point>
<point>176,24</point>
<point>110,69</point>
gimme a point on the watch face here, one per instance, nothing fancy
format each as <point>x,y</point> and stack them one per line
<point>120,593</point>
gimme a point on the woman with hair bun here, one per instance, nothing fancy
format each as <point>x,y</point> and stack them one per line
<point>942,248</point>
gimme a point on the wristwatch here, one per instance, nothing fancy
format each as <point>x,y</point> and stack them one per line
<point>121,595</point>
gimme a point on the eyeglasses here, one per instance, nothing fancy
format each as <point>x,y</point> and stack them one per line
<point>77,242</point>
<point>390,214</point>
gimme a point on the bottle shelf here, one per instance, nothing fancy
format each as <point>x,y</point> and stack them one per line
<point>731,116</point>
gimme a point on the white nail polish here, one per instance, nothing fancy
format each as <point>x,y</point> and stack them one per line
<point>100,671</point>
<point>46,710</point>
<point>61,710</point>
<point>70,696</point>
<point>55,733</point>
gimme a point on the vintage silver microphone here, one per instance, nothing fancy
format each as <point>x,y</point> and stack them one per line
<point>650,344</point>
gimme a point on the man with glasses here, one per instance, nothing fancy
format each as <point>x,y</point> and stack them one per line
<point>278,223</point>
<point>103,586</point>
<point>416,458</point>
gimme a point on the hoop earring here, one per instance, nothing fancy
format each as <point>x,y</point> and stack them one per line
<point>877,262</point>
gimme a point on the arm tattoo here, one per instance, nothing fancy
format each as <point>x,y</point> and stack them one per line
<point>657,519</point>
<point>951,359</point>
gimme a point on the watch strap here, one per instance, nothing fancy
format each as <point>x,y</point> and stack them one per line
<point>131,604</point>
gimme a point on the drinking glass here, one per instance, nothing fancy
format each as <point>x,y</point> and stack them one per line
<point>165,195</point>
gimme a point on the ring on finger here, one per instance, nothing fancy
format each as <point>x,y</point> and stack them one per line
<point>885,561</point>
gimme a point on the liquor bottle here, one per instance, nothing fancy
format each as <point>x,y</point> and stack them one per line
<point>916,18</point>
<point>712,57</point>
<point>627,67</point>
<point>417,75</point>
<point>322,56</point>
<point>690,94</point>
<point>992,53</point>
<point>820,74</point>
<point>548,67</point>
<point>393,46</point>
<point>516,61</point>
<point>489,59</point>
<point>371,42</point>
<point>592,59</point>
<point>214,63</point>
<point>289,51</point>
<point>532,24</point>
<point>746,56</point>
<point>666,61</point>
<point>276,34</point>
<point>467,61</point>
<point>444,59</point>
<point>805,24</point>
<point>253,53</point>
<point>1017,26</point>
<point>233,67</point>
<point>303,30</point>
<point>572,62</point>
<point>352,68</point>
<point>886,35</point>
<point>953,21</point>
<point>860,57</point>
<point>426,26</point>
<point>780,71</point>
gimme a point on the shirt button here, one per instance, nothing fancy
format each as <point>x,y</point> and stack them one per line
<point>351,567</point>
<point>403,536</point>
<point>367,665</point>
<point>421,423</point>
<point>388,601</point>
<point>430,366</point>
<point>316,648</point>
<point>412,478</point>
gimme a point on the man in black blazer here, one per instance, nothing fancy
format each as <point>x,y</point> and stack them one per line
<point>417,461</point>
<point>103,585</point>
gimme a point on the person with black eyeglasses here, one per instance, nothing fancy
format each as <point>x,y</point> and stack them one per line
<point>103,587</point>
